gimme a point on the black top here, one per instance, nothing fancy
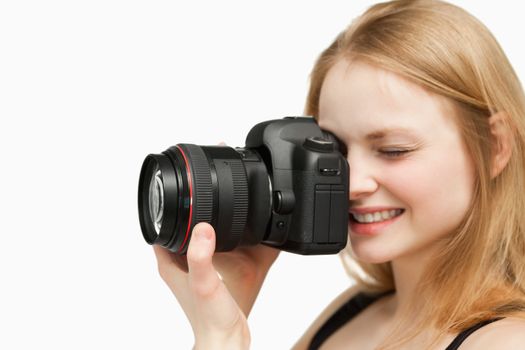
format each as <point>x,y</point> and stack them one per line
<point>357,304</point>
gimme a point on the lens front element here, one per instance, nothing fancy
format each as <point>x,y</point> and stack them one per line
<point>158,195</point>
<point>156,199</point>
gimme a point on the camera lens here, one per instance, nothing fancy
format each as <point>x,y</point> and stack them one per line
<point>158,193</point>
<point>156,200</point>
<point>188,184</point>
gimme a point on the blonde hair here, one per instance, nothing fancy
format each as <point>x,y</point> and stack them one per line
<point>480,272</point>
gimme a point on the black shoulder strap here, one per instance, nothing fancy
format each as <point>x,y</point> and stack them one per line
<point>463,335</point>
<point>348,311</point>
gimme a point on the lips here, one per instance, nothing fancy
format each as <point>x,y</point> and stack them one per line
<point>376,216</point>
<point>367,210</point>
<point>373,228</point>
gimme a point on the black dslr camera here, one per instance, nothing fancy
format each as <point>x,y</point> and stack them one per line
<point>287,188</point>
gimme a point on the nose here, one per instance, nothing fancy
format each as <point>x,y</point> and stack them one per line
<point>362,180</point>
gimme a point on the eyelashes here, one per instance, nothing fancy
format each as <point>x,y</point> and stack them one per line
<point>388,153</point>
<point>394,153</point>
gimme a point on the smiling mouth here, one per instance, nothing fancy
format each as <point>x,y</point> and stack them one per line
<point>377,217</point>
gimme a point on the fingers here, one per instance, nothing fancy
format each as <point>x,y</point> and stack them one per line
<point>171,267</point>
<point>163,255</point>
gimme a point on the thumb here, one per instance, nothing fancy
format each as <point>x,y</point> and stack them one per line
<point>203,277</point>
<point>216,307</point>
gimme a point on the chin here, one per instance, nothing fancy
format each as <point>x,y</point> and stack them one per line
<point>372,255</point>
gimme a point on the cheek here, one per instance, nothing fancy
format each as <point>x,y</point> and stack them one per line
<point>436,193</point>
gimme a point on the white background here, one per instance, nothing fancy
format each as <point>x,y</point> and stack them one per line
<point>87,89</point>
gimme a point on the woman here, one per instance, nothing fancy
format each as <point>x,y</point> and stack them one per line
<point>431,118</point>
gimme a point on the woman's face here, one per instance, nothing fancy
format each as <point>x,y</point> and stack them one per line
<point>404,151</point>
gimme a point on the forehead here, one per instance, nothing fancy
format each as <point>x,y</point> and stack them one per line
<point>370,98</point>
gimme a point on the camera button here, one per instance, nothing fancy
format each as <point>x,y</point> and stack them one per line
<point>283,201</point>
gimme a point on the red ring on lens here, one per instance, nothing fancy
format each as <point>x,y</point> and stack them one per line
<point>191,197</point>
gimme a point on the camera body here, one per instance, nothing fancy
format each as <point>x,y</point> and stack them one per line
<point>309,179</point>
<point>287,188</point>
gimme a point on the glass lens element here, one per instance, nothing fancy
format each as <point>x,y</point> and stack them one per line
<point>156,199</point>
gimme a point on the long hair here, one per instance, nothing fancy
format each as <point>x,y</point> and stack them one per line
<point>480,272</point>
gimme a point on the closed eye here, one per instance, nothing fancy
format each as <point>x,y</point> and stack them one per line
<point>394,153</point>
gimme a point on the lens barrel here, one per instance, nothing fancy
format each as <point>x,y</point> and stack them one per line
<point>188,184</point>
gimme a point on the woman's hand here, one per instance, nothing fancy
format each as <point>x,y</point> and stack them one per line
<point>217,310</point>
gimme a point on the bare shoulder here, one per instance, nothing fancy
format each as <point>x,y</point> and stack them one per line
<point>304,341</point>
<point>508,334</point>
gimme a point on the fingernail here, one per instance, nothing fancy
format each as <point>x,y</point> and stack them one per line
<point>203,234</point>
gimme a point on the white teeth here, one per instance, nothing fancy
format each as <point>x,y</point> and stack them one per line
<point>377,216</point>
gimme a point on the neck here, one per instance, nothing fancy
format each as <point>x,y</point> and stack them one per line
<point>408,271</point>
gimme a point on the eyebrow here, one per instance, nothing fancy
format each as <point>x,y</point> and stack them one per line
<point>379,134</point>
